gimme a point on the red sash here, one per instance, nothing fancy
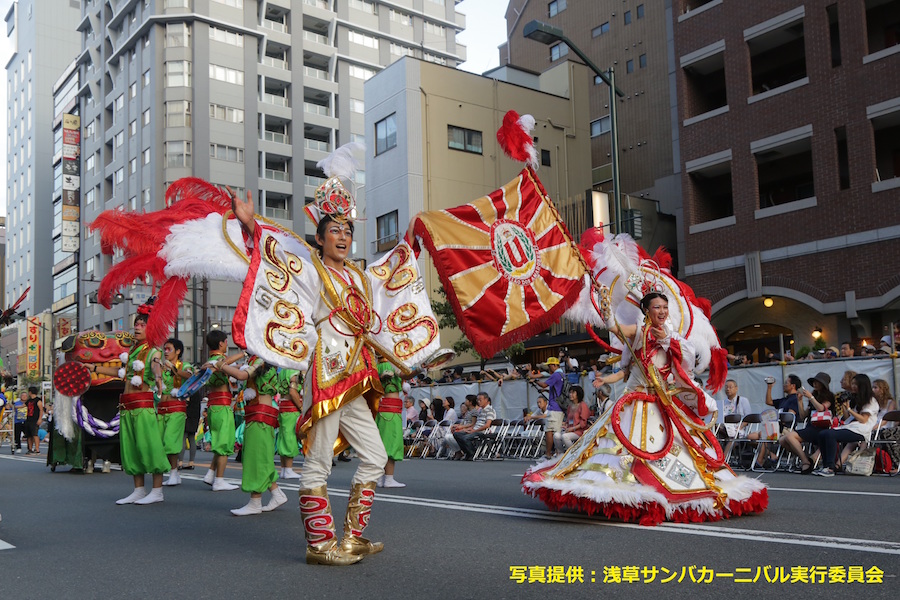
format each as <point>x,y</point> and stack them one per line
<point>390,405</point>
<point>167,407</point>
<point>219,399</point>
<point>287,406</point>
<point>136,400</point>
<point>261,413</point>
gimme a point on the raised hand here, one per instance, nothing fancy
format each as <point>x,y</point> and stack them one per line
<point>243,209</point>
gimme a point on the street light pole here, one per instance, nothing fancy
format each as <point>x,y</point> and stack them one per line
<point>548,34</point>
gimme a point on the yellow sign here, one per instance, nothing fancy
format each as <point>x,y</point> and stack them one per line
<point>71,122</point>
<point>33,350</point>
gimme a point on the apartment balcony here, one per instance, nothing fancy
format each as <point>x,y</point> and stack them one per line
<point>278,63</point>
<point>316,43</point>
<point>315,150</point>
<point>275,104</point>
<point>277,31</point>
<point>275,143</point>
<point>318,9</point>
<point>319,116</point>
<point>318,79</point>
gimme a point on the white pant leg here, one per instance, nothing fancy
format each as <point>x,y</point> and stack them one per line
<point>358,427</point>
<point>450,443</point>
<point>568,439</point>
<point>355,421</point>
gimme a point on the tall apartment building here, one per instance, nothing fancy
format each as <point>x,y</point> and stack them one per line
<point>789,117</point>
<point>633,37</point>
<point>245,93</point>
<point>43,41</point>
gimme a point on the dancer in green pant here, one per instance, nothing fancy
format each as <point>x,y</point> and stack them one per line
<point>173,410</point>
<point>289,407</point>
<point>261,419</point>
<point>139,437</point>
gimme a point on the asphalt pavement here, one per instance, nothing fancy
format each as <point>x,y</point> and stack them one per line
<point>459,530</point>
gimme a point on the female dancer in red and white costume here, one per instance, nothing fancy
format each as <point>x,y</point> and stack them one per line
<point>650,457</point>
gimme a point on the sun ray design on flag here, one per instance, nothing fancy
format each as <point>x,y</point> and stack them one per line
<point>506,254</point>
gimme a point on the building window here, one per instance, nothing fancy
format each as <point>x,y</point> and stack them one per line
<point>600,126</point>
<point>629,66</point>
<point>388,237</point>
<point>178,35</point>
<point>628,17</point>
<point>361,72</point>
<point>132,166</point>
<point>777,57</point>
<point>466,140</point>
<point>132,90</point>
<point>642,61</point>
<point>785,172</point>
<point>400,17</point>
<point>598,31</point>
<point>226,37</point>
<point>178,73</point>
<point>146,117</point>
<point>357,106</point>
<point>840,136</point>
<point>178,113</point>
<point>557,51</point>
<point>363,5</point>
<point>120,101</point>
<point>556,7</point>
<point>145,195</point>
<point>435,30</point>
<point>132,128</point>
<point>640,11</point>
<point>178,154</point>
<point>231,3</point>
<point>119,176</point>
<point>226,74</point>
<point>226,113</point>
<point>385,134</point>
<point>363,40</point>
<point>147,156</point>
<point>89,163</point>
<point>545,158</point>
<point>146,78</point>
<point>229,153</point>
<point>120,139</point>
<point>834,34</point>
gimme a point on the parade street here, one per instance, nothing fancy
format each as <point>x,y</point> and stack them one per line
<point>458,530</point>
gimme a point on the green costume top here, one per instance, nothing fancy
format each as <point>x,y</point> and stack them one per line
<point>390,381</point>
<point>145,354</point>
<point>171,381</point>
<point>218,379</point>
<point>270,380</point>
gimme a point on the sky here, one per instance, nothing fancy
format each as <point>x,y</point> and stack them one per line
<point>485,30</point>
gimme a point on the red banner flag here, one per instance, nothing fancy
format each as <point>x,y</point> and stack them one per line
<point>507,263</point>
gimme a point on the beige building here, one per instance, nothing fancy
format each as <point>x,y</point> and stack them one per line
<point>432,143</point>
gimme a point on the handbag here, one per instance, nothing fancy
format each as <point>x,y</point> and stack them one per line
<point>861,462</point>
<point>821,419</point>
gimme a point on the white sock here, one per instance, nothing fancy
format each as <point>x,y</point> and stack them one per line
<point>173,479</point>
<point>209,477</point>
<point>289,473</point>
<point>155,495</point>
<point>136,495</point>
<point>254,507</point>
<point>220,485</point>
<point>390,482</point>
<point>278,498</point>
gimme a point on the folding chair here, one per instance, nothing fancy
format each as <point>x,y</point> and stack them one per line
<point>435,437</point>
<point>487,448</point>
<point>786,422</point>
<point>420,444</point>
<point>877,441</point>
<point>534,446</point>
<point>411,437</point>
<point>513,436</point>
<point>747,426</point>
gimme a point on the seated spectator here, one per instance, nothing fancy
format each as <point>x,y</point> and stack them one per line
<point>449,405</point>
<point>843,396</point>
<point>424,411</point>
<point>540,414</point>
<point>576,419</point>
<point>831,352</point>
<point>867,350</point>
<point>820,399</point>
<point>468,436</point>
<point>467,416</point>
<point>882,391</point>
<point>790,403</point>
<point>847,350</point>
<point>862,411</point>
<point>603,391</point>
<point>437,409</point>
<point>411,413</point>
<point>733,405</point>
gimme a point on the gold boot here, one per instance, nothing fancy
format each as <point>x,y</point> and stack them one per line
<point>322,546</point>
<point>359,508</point>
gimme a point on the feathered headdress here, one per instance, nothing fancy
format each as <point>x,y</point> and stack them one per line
<point>515,138</point>
<point>336,198</point>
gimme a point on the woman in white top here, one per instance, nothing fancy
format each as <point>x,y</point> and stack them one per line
<point>863,409</point>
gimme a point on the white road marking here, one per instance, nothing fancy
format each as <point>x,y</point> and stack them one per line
<point>6,546</point>
<point>732,533</point>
